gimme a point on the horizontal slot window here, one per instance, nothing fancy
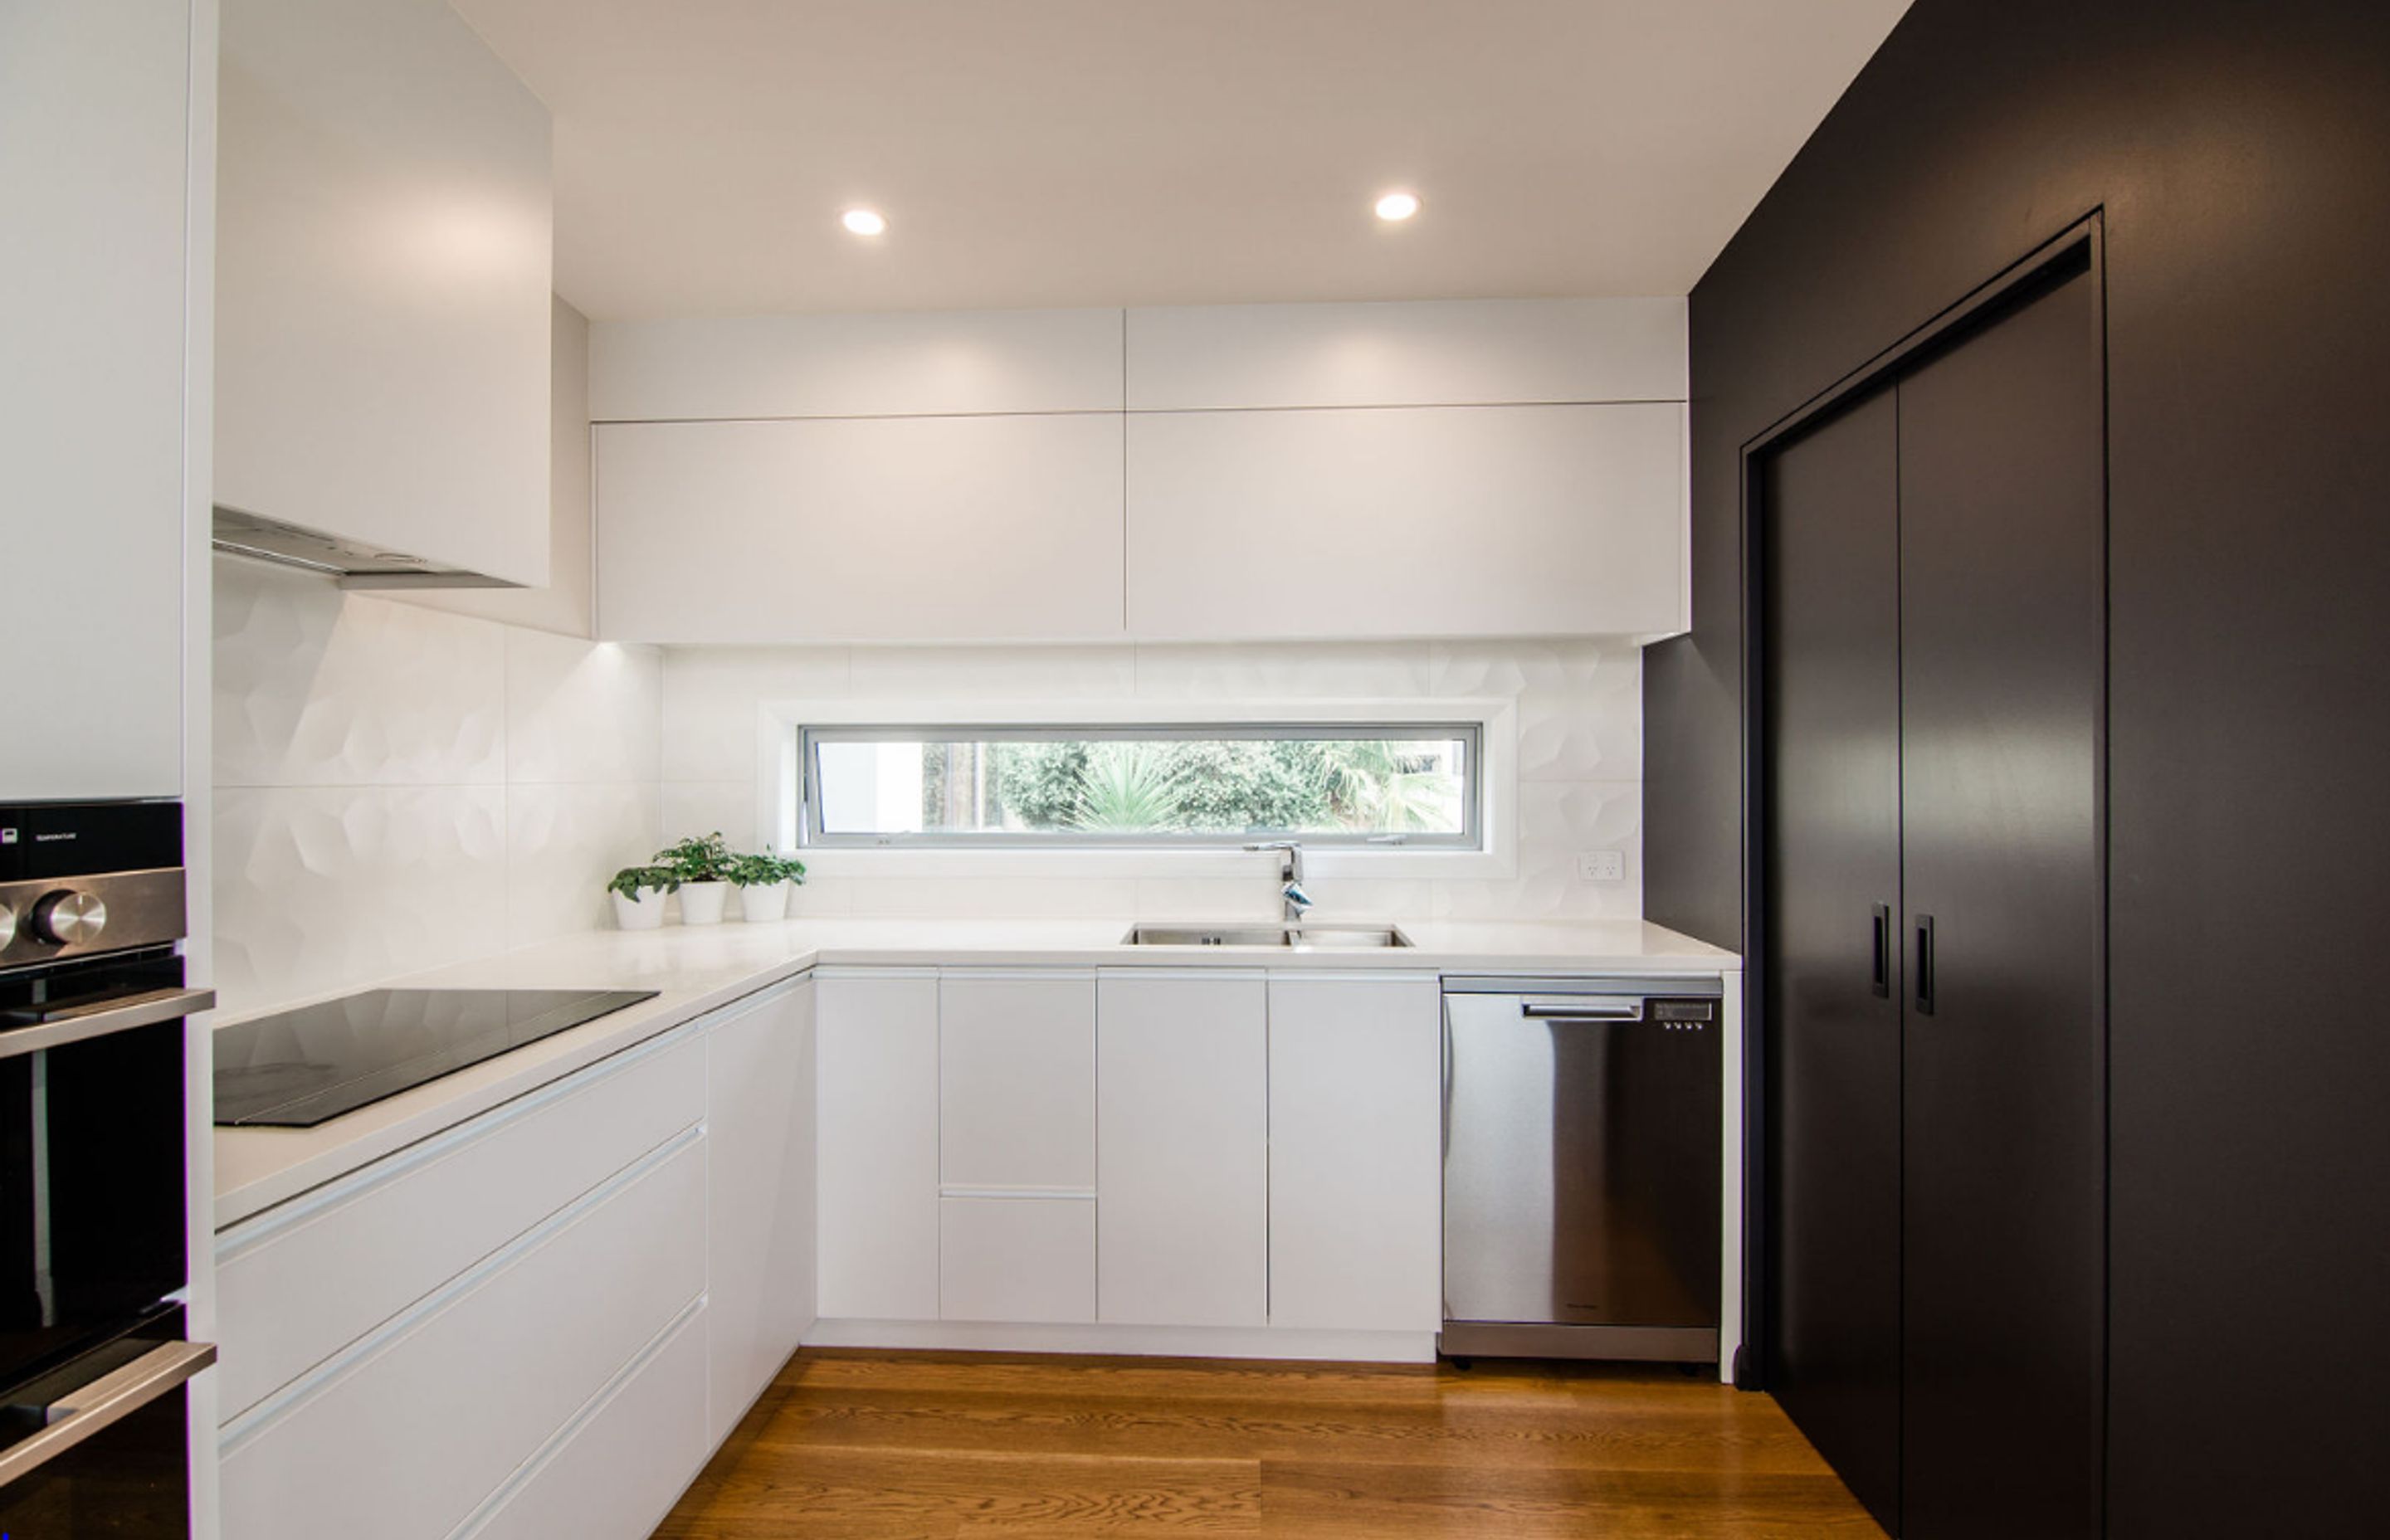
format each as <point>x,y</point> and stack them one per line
<point>1393,785</point>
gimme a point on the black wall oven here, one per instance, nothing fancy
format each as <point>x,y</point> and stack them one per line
<point>93,1351</point>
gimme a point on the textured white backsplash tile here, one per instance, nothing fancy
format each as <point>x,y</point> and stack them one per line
<point>398,788</point>
<point>321,886</point>
<point>1579,760</point>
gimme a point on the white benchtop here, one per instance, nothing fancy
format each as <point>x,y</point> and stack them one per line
<point>695,970</point>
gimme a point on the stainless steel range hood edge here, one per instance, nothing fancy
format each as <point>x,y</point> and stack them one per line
<point>350,563</point>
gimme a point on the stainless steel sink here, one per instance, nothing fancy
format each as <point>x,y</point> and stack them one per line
<point>1320,937</point>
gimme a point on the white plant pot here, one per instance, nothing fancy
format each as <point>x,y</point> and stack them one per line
<point>643,913</point>
<point>701,902</point>
<point>765,901</point>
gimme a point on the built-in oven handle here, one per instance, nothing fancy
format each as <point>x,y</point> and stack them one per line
<point>120,1015</point>
<point>1581,1008</point>
<point>106,1401</point>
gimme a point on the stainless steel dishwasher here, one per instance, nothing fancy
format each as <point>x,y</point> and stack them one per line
<point>1581,1168</point>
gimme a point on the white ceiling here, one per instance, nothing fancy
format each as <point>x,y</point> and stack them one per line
<point>1086,152</point>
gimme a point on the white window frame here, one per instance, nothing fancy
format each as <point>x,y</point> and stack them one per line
<point>780,813</point>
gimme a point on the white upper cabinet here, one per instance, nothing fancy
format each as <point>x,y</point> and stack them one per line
<point>383,277</point>
<point>913,365</point>
<point>1447,353</point>
<point>95,101</point>
<point>860,528</point>
<point>1447,469</point>
<point>1405,521</point>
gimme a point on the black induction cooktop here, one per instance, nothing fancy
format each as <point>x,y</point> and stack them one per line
<point>302,1067</point>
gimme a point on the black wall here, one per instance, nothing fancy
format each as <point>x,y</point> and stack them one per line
<point>2242,154</point>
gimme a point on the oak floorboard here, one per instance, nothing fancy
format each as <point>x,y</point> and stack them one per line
<point>857,1445</point>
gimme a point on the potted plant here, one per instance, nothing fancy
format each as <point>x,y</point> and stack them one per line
<point>639,896</point>
<point>764,882</point>
<point>702,869</point>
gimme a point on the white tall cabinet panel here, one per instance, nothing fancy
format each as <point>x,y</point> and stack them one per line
<point>95,98</point>
<point>1182,1130</point>
<point>876,1109</point>
<point>383,274</point>
<point>1392,522</point>
<point>860,528</point>
<point>760,1198</point>
<point>908,363</point>
<point>1436,353</point>
<point>1356,1176</point>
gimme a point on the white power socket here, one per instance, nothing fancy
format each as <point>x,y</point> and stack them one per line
<point>1600,865</point>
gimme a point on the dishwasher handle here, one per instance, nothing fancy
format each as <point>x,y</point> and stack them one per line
<point>1581,1007</point>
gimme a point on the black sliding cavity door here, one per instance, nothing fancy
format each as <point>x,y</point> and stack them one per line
<point>1832,567</point>
<point>2003,622</point>
<point>1932,587</point>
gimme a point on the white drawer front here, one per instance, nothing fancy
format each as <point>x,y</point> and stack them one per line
<point>622,1470</point>
<point>403,1440</point>
<point>299,1282</point>
<point>1017,1259</point>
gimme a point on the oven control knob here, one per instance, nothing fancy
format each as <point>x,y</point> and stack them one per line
<point>69,919</point>
<point>8,926</point>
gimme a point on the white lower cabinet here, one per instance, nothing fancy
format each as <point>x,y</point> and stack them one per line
<point>877,1116</point>
<point>759,1197</point>
<point>404,1435</point>
<point>1017,1259</point>
<point>1356,1156</point>
<point>617,1473</point>
<point>1182,1128</point>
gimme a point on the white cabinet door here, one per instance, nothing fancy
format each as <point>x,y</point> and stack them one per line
<point>760,1197</point>
<point>407,1434</point>
<point>1017,1079</point>
<point>1433,352</point>
<point>94,97</point>
<point>1017,1259</point>
<point>860,528</point>
<point>1355,1173</point>
<point>1406,521</point>
<point>623,1466</point>
<point>900,363</point>
<point>384,210</point>
<point>1182,1129</point>
<point>876,1106</point>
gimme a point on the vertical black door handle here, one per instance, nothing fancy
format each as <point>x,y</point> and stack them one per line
<point>1882,938</point>
<point>1925,965</point>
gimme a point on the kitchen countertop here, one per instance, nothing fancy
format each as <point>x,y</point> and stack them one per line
<point>696,969</point>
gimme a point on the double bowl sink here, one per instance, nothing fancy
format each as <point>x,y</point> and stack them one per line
<point>1284,937</point>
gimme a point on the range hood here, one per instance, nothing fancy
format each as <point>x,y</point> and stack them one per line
<point>355,565</point>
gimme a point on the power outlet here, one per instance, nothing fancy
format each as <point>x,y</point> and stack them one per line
<point>1600,865</point>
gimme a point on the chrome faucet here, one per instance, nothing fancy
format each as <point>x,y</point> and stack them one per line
<point>1289,872</point>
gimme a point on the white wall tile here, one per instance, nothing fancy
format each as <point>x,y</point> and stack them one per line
<point>318,887</point>
<point>692,808</point>
<point>582,712</point>
<point>1029,673</point>
<point>1275,671</point>
<point>712,696</point>
<point>1579,764</point>
<point>993,897</point>
<point>563,843</point>
<point>1580,701</point>
<point>314,687</point>
<point>1557,820</point>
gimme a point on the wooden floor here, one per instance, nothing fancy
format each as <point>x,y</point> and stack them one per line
<point>864,1446</point>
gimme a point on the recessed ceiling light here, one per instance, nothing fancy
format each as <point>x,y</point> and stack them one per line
<point>863,222</point>
<point>1398,206</point>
